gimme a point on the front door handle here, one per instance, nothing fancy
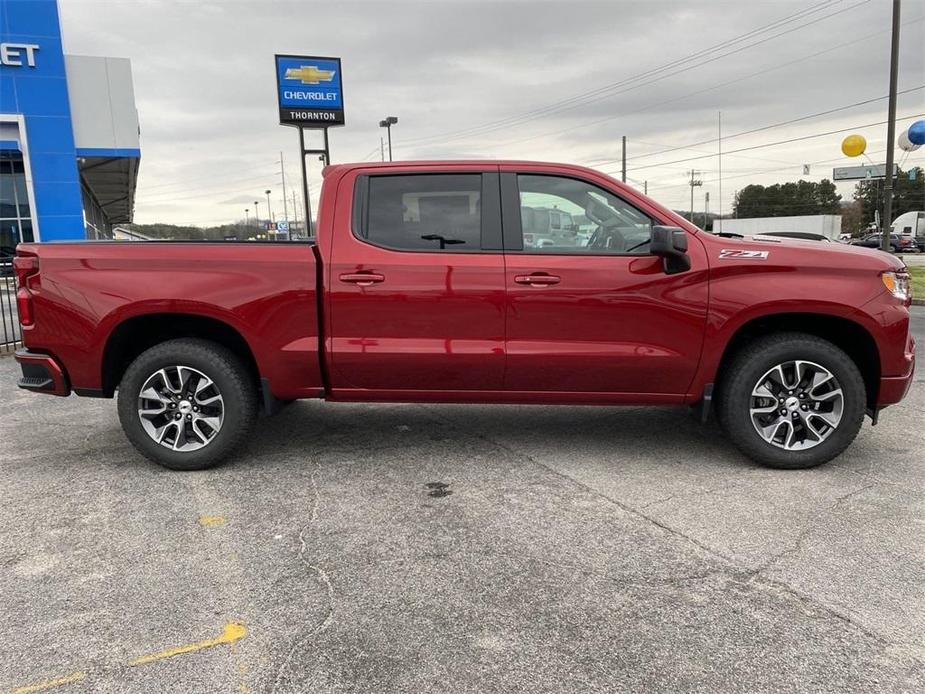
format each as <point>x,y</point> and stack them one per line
<point>362,279</point>
<point>537,279</point>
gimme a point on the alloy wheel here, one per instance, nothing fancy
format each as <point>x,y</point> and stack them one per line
<point>181,408</point>
<point>796,405</point>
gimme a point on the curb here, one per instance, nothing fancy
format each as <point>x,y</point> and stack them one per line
<point>918,302</point>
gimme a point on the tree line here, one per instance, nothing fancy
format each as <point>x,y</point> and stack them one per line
<point>812,198</point>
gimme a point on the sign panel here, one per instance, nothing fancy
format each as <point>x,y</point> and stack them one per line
<point>858,173</point>
<point>309,91</point>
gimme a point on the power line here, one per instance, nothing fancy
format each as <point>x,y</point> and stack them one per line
<point>774,144</point>
<point>599,162</point>
<point>768,127</point>
<point>623,114</point>
<point>188,180</point>
<point>584,95</point>
<point>599,93</point>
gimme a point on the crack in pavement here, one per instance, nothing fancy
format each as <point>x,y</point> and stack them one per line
<point>749,574</point>
<point>703,492</point>
<point>880,480</point>
<point>323,577</point>
<point>809,526</point>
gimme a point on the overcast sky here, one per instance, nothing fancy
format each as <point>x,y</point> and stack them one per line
<point>488,79</point>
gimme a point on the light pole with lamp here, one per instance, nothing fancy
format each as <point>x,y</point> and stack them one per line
<point>257,212</point>
<point>387,123</point>
<point>269,209</point>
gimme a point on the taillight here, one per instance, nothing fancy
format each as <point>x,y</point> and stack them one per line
<point>25,266</point>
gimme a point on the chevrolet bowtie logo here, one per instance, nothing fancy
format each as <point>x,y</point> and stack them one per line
<point>309,74</point>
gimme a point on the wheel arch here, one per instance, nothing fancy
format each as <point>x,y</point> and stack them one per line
<point>134,335</point>
<point>848,335</point>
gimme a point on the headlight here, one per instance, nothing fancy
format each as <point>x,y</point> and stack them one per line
<point>897,283</point>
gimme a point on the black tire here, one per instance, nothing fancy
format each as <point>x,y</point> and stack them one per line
<point>230,376</point>
<point>748,365</point>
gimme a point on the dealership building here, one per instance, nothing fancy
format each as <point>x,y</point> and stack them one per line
<point>69,139</point>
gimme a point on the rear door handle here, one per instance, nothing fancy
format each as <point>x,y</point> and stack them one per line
<point>537,279</point>
<point>362,279</point>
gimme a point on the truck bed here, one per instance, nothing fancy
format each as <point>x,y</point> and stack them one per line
<point>266,291</point>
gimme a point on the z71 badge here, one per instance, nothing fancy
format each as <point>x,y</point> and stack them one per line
<point>742,254</point>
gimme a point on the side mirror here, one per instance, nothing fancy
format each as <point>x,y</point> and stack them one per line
<point>670,244</point>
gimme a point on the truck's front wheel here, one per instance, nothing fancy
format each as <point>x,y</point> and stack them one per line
<point>187,404</point>
<point>791,400</point>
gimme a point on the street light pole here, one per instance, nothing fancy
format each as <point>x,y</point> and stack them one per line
<point>246,218</point>
<point>387,123</point>
<point>257,212</point>
<point>890,135</point>
<point>269,209</point>
<point>694,183</point>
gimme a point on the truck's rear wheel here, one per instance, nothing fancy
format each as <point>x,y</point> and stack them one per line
<point>791,400</point>
<point>187,404</point>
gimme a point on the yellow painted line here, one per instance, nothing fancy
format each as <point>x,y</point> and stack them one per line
<point>211,521</point>
<point>232,632</point>
<point>51,683</point>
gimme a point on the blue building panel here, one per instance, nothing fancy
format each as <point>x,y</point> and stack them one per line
<point>60,227</point>
<point>8,101</point>
<point>38,18</point>
<point>35,86</point>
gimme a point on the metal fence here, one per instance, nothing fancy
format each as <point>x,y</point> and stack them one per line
<point>10,332</point>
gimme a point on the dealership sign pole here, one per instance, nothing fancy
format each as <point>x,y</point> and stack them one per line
<point>310,93</point>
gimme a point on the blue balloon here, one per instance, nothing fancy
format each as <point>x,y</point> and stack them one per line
<point>917,133</point>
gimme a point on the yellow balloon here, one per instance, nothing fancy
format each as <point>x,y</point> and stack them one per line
<point>853,145</point>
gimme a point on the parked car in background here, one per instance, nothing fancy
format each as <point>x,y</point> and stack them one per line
<point>898,243</point>
<point>804,235</point>
<point>911,225</point>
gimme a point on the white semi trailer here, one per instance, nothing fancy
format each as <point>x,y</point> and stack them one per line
<point>828,225</point>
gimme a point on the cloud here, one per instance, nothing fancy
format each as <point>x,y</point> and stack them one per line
<point>205,86</point>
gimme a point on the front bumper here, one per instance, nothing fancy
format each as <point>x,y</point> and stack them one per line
<point>894,388</point>
<point>41,373</point>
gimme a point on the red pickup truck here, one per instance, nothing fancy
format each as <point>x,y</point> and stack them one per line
<point>423,286</point>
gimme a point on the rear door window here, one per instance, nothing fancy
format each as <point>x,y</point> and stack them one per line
<point>423,212</point>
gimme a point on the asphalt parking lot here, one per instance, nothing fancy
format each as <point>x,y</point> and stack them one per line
<point>402,548</point>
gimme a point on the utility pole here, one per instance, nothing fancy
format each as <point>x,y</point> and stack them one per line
<point>624,159</point>
<point>719,140</point>
<point>295,211</point>
<point>387,123</point>
<point>890,134</point>
<point>645,186</point>
<point>706,208</point>
<point>694,183</point>
<point>282,171</point>
<point>381,149</point>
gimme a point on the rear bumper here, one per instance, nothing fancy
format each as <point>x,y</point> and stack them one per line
<point>894,388</point>
<point>41,373</point>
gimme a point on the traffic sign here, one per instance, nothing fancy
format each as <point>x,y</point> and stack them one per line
<point>859,173</point>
